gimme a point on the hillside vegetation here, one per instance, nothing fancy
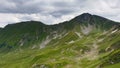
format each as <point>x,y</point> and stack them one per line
<point>86,41</point>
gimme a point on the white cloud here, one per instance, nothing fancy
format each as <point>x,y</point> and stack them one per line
<point>8,18</point>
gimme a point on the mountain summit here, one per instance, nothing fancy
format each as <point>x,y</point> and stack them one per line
<point>86,41</point>
<point>83,17</point>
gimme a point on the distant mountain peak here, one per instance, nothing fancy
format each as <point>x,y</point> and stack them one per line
<point>86,14</point>
<point>83,17</point>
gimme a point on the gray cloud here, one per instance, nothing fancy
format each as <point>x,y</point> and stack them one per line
<point>39,6</point>
<point>54,11</point>
<point>20,6</point>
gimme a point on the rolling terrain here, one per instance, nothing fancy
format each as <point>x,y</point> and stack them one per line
<point>86,41</point>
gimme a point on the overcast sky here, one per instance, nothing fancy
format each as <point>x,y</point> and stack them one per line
<point>55,11</point>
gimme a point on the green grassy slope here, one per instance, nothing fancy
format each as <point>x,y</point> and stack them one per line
<point>87,41</point>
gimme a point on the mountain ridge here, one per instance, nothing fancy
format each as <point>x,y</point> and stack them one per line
<point>34,28</point>
<point>82,16</point>
<point>86,41</point>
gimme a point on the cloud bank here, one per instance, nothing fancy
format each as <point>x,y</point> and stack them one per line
<point>55,11</point>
